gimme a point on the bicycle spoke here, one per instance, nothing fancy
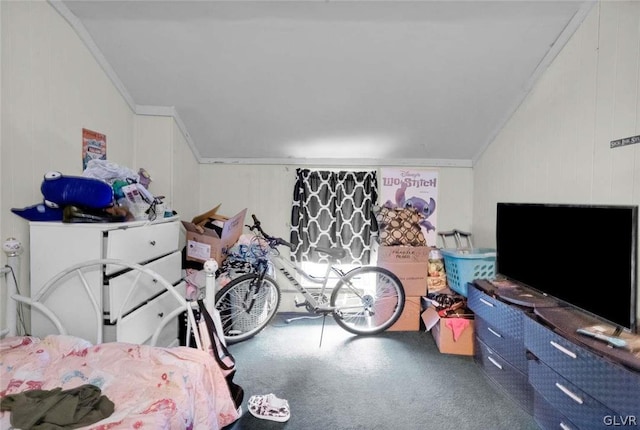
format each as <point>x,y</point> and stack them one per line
<point>246,306</point>
<point>369,301</point>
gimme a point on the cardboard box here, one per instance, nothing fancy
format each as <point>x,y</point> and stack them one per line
<point>410,318</point>
<point>444,338</point>
<point>452,335</point>
<point>408,263</point>
<point>400,254</point>
<point>412,275</point>
<point>208,244</point>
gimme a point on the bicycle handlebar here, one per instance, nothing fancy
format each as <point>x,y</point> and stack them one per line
<point>273,241</point>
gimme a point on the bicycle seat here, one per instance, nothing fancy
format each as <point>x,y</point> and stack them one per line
<point>333,252</point>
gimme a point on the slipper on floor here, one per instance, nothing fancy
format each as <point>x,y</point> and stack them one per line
<point>269,407</point>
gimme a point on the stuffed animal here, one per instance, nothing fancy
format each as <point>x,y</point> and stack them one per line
<point>60,191</point>
<point>426,209</point>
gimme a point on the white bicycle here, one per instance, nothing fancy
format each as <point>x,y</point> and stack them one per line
<point>366,300</point>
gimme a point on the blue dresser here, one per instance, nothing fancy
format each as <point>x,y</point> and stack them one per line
<point>586,387</point>
<point>565,380</point>
<point>500,349</point>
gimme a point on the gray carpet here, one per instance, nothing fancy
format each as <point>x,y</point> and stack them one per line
<point>396,380</point>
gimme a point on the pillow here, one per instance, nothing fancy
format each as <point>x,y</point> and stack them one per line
<point>400,226</point>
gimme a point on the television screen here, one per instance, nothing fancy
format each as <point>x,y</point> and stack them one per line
<point>583,255</point>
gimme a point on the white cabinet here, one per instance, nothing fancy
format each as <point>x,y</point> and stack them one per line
<point>55,246</point>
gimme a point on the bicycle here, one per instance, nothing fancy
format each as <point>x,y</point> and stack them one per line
<point>366,300</point>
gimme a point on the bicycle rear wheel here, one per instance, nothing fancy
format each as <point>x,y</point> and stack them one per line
<point>246,305</point>
<point>368,300</point>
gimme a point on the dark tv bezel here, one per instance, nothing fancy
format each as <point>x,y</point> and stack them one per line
<point>633,326</point>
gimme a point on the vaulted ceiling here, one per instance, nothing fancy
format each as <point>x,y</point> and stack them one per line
<point>338,82</point>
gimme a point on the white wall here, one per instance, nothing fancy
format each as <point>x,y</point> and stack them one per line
<point>185,178</point>
<point>51,88</point>
<point>48,95</point>
<point>556,147</point>
<point>164,152</point>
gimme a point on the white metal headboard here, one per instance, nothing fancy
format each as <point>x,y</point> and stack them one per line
<point>182,305</point>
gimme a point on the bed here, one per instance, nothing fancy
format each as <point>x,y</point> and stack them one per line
<point>150,387</point>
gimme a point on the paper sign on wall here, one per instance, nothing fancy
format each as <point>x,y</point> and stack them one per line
<point>94,146</point>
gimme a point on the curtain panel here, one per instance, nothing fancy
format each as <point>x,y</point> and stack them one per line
<point>333,209</point>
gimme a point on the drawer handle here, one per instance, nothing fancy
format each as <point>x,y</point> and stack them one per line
<point>152,242</point>
<point>569,393</point>
<point>563,349</point>
<point>495,363</point>
<point>487,303</point>
<point>493,332</point>
<point>563,426</point>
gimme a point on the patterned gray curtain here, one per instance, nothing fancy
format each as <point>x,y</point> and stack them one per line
<point>333,209</point>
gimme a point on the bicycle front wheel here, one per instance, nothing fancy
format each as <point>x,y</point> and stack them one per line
<point>368,300</point>
<point>246,305</point>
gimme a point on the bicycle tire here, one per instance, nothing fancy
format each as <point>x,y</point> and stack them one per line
<point>238,323</point>
<point>368,300</point>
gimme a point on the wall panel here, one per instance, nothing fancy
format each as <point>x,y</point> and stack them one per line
<point>51,88</point>
<point>559,138</point>
<point>185,178</point>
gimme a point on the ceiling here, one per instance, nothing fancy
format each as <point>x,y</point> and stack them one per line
<point>328,82</point>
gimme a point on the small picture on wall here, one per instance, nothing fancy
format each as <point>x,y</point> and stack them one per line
<point>94,147</point>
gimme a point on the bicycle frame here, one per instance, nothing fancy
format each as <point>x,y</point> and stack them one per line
<point>285,267</point>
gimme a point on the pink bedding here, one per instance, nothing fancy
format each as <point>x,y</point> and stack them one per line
<point>152,388</point>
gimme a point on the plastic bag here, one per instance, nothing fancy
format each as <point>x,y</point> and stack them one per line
<point>109,171</point>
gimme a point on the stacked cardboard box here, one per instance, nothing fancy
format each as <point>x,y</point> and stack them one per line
<point>410,265</point>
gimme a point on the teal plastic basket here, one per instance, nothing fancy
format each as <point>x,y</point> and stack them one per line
<point>466,265</point>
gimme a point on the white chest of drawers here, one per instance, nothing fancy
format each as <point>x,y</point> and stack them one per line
<point>56,246</point>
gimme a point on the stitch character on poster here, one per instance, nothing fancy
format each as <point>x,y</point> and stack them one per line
<point>410,188</point>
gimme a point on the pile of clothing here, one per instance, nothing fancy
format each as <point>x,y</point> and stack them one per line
<point>249,254</point>
<point>450,305</point>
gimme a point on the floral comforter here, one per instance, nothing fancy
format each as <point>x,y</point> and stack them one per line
<point>152,388</point>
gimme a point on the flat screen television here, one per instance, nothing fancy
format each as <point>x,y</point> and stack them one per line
<point>582,255</point>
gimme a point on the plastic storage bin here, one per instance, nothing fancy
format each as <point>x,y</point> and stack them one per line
<point>465,265</point>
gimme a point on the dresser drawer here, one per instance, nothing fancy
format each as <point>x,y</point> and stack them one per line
<point>169,267</point>
<point>141,244</point>
<point>612,385</point>
<point>496,313</point>
<point>509,348</point>
<point>579,407</point>
<point>514,382</point>
<point>139,325</point>
<point>548,417</point>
